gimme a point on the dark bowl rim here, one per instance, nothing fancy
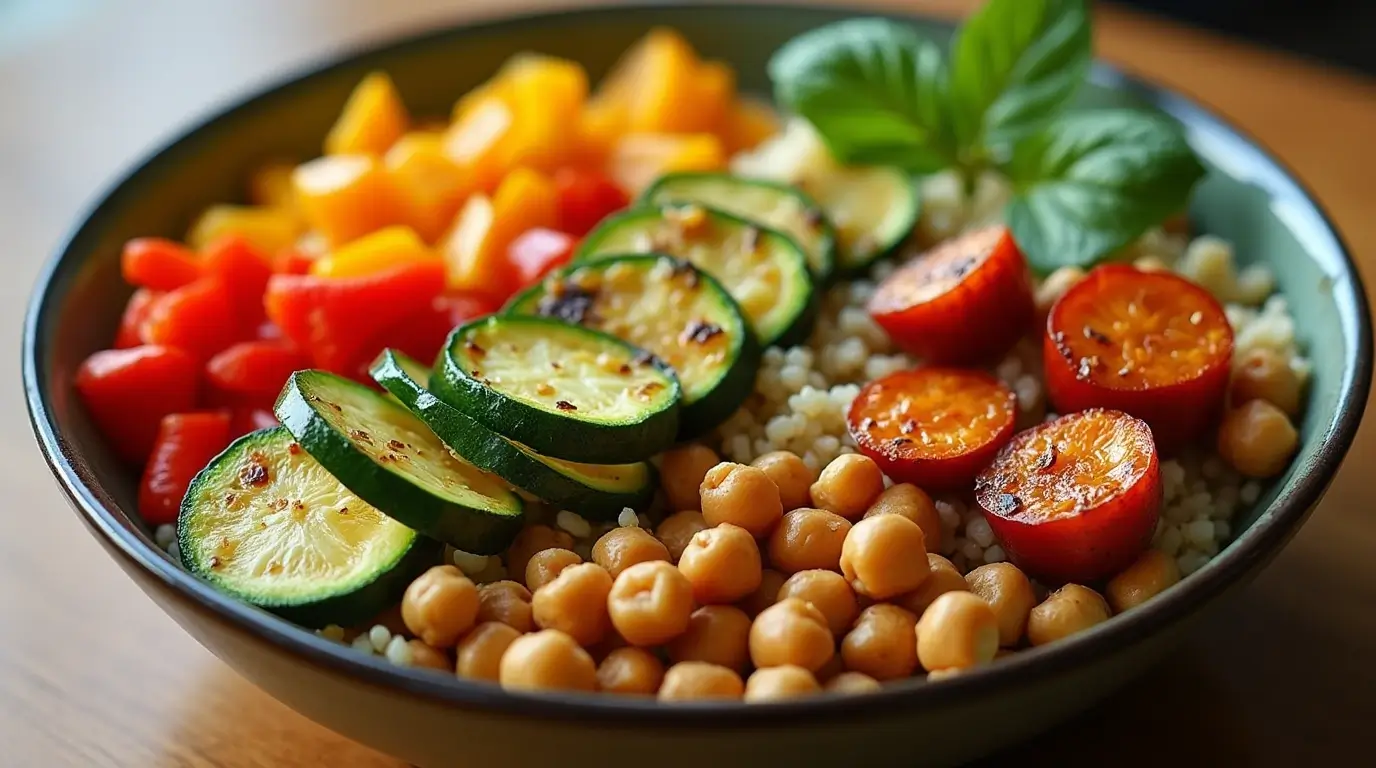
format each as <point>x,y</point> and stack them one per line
<point>1256,544</point>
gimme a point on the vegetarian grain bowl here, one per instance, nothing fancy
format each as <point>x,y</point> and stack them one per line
<point>645,387</point>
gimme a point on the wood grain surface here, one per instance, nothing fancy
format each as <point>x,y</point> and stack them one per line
<point>92,673</point>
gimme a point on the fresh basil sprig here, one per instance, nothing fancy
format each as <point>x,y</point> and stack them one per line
<point>1086,183</point>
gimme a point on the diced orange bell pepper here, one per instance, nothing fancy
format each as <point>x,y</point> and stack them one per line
<point>199,318</point>
<point>382,250</point>
<point>712,98</point>
<point>269,229</point>
<point>373,118</point>
<point>640,158</point>
<point>430,186</point>
<point>128,391</point>
<point>152,262</point>
<point>748,124</point>
<point>135,312</point>
<point>270,186</point>
<point>346,196</point>
<point>185,443</point>
<point>478,142</point>
<point>475,249</point>
<point>669,85</point>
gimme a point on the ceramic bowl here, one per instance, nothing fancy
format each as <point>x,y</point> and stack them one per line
<point>433,720</point>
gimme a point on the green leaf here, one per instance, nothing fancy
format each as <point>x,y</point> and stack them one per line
<point>874,90</point>
<point>1014,65</point>
<point>1091,182</point>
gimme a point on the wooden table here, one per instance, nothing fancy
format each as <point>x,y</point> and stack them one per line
<point>93,674</point>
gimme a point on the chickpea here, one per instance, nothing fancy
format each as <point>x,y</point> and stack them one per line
<point>958,631</point>
<point>650,603</point>
<point>532,539</point>
<point>696,680</point>
<point>440,605</point>
<point>609,642</point>
<point>620,548</point>
<point>1257,439</point>
<point>479,655</point>
<point>1054,287</point>
<point>545,565</point>
<point>1146,578</point>
<point>547,660</point>
<point>882,643</point>
<point>775,683</point>
<point>1008,591</point>
<point>828,592</point>
<point>791,476</point>
<point>848,485</point>
<point>722,564</point>
<point>716,634</point>
<point>765,595</point>
<point>677,530</point>
<point>885,556</point>
<point>575,603</point>
<point>807,539</point>
<point>945,578</point>
<point>834,666</point>
<point>427,657</point>
<point>630,671</point>
<point>507,602</point>
<point>681,471</point>
<point>741,495</point>
<point>791,632</point>
<point>852,683</point>
<point>913,503</point>
<point>1068,610</point>
<point>1263,374</point>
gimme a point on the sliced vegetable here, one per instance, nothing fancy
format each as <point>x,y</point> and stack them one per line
<point>269,186</point>
<point>748,124</point>
<point>245,420</point>
<point>373,118</point>
<point>585,198</point>
<point>1075,499</point>
<point>376,252</point>
<point>430,187</point>
<point>563,390</point>
<point>873,209</point>
<point>933,427</point>
<point>966,301</point>
<point>539,251</point>
<point>269,229</point>
<point>475,250</point>
<point>390,459</point>
<point>128,391</point>
<point>131,322</point>
<point>1152,344</point>
<point>243,270</point>
<point>667,307</point>
<point>346,196</point>
<point>251,373</point>
<point>598,491</point>
<point>266,523</point>
<point>199,318</point>
<point>637,159</point>
<point>186,443</point>
<point>765,272</point>
<point>162,265</point>
<point>772,205</point>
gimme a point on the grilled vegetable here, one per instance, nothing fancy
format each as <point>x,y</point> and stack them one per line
<point>873,210</point>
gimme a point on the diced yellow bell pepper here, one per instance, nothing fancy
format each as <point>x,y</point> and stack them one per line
<point>712,99</point>
<point>600,124</point>
<point>383,249</point>
<point>373,118</point>
<point>475,250</point>
<point>270,186</point>
<point>640,158</point>
<point>268,229</point>
<point>345,196</point>
<point>748,124</point>
<point>664,91</point>
<point>480,142</point>
<point>430,186</point>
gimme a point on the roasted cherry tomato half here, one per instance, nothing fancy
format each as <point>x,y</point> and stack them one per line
<point>965,301</point>
<point>933,427</point>
<point>1152,344</point>
<point>1075,499</point>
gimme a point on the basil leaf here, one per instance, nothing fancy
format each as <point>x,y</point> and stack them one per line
<point>1091,182</point>
<point>1014,64</point>
<point>874,90</point>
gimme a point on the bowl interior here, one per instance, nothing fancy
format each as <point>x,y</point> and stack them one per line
<point>1247,199</point>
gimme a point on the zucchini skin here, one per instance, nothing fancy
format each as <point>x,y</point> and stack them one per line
<point>793,331</point>
<point>478,531</point>
<point>697,417</point>
<point>661,193</point>
<point>345,608</point>
<point>849,267</point>
<point>550,434</point>
<point>490,451</point>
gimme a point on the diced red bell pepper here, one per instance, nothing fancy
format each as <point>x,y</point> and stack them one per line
<point>340,321</point>
<point>246,420</point>
<point>186,442</point>
<point>585,198</point>
<point>538,252</point>
<point>244,270</point>
<point>291,261</point>
<point>128,391</point>
<point>199,318</point>
<point>251,373</point>
<point>152,262</point>
<point>135,312</point>
<point>422,335</point>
